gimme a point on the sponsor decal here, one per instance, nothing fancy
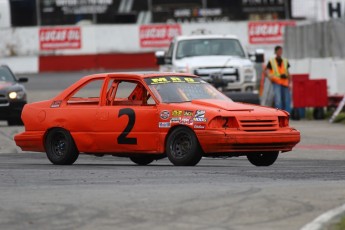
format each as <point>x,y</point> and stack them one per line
<point>164,124</point>
<point>165,114</point>
<point>164,80</point>
<point>200,119</point>
<point>175,120</point>
<point>55,104</point>
<point>188,113</point>
<point>176,113</point>
<point>151,36</point>
<point>60,38</point>
<point>200,113</point>
<point>199,126</point>
<point>269,32</point>
<point>186,121</point>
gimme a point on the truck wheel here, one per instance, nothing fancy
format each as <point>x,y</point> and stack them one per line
<point>262,159</point>
<point>60,147</point>
<point>142,160</point>
<point>182,147</point>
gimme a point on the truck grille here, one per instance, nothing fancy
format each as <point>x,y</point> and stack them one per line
<point>3,100</point>
<point>253,124</point>
<point>228,74</point>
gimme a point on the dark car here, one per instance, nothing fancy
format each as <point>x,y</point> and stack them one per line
<point>12,96</point>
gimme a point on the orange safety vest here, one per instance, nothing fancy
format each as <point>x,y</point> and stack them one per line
<point>276,71</point>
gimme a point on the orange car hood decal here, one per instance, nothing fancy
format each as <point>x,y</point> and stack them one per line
<point>226,105</point>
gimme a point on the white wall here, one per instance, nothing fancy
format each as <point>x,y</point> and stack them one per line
<point>5,17</point>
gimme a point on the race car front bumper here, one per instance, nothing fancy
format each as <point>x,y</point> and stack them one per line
<point>235,141</point>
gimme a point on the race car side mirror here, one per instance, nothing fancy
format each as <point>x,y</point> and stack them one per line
<point>160,57</point>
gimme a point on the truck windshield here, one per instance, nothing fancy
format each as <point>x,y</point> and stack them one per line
<point>209,47</point>
<point>182,89</point>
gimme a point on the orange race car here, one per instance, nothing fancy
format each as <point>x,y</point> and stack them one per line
<point>147,117</point>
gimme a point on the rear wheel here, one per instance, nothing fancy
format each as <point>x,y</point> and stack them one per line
<point>60,147</point>
<point>142,160</point>
<point>263,159</point>
<point>182,147</point>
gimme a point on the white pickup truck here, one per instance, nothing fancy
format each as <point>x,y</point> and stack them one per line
<point>218,59</point>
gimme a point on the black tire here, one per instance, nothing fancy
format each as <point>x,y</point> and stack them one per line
<point>142,160</point>
<point>262,159</point>
<point>182,147</point>
<point>60,147</point>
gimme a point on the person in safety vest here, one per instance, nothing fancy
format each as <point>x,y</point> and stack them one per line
<point>278,73</point>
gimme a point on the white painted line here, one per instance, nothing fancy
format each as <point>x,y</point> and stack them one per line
<point>320,222</point>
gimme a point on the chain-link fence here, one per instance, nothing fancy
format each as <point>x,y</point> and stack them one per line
<point>318,40</point>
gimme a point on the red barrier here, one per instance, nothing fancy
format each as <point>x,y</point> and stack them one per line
<point>97,61</point>
<point>308,93</point>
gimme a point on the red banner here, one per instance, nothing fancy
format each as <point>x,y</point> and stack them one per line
<point>60,38</point>
<point>158,35</point>
<point>267,32</point>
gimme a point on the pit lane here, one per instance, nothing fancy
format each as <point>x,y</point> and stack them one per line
<point>113,193</point>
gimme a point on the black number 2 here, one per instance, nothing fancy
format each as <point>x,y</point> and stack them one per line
<point>123,139</point>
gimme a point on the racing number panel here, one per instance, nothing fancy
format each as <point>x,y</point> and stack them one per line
<point>122,138</point>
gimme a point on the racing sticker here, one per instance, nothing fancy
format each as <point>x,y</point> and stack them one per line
<point>186,121</point>
<point>165,114</point>
<point>55,104</point>
<point>200,119</point>
<point>200,113</point>
<point>188,113</point>
<point>176,79</point>
<point>199,126</point>
<point>164,124</point>
<point>175,120</point>
<point>176,113</point>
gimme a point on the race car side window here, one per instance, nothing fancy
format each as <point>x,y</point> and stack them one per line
<point>128,93</point>
<point>88,94</point>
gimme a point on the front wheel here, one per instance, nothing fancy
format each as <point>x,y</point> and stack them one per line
<point>262,159</point>
<point>182,147</point>
<point>142,160</point>
<point>60,147</point>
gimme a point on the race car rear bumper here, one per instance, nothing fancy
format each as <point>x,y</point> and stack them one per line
<point>231,141</point>
<point>30,141</point>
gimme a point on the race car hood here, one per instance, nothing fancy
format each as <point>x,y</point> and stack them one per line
<point>232,106</point>
<point>212,61</point>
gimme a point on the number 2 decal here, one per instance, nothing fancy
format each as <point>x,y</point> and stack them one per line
<point>123,139</point>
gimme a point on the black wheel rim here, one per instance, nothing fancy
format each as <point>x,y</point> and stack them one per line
<point>59,145</point>
<point>181,145</point>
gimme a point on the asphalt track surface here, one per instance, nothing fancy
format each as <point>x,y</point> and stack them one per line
<point>113,193</point>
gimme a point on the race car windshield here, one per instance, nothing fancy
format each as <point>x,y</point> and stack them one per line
<point>182,89</point>
<point>209,47</point>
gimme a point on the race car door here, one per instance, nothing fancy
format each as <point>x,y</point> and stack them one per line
<point>129,120</point>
